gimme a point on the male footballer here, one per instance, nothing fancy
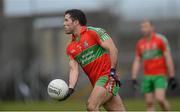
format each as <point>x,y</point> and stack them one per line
<point>154,51</point>
<point>94,50</point>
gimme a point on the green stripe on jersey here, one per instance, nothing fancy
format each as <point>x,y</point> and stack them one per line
<point>89,55</point>
<point>101,33</point>
<point>152,54</point>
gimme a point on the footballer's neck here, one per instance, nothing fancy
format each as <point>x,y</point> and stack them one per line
<point>148,37</point>
<point>77,31</point>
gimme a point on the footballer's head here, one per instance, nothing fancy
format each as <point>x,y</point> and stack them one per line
<point>72,19</point>
<point>147,27</point>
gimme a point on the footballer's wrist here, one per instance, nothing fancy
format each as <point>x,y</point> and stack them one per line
<point>112,71</point>
<point>134,81</point>
<point>71,86</point>
<point>171,77</point>
<point>113,67</point>
<point>133,78</point>
<point>71,90</point>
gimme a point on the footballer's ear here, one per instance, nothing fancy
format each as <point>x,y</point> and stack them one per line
<point>76,22</point>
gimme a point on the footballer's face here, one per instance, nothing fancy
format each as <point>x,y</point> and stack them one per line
<point>69,24</point>
<point>146,28</point>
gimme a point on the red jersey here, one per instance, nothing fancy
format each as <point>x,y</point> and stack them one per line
<point>86,50</point>
<point>152,53</point>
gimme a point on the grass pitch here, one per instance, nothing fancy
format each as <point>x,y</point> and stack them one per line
<point>76,105</point>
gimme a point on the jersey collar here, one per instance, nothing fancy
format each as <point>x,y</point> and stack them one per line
<point>153,35</point>
<point>83,30</point>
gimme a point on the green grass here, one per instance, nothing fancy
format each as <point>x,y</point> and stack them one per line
<point>138,104</point>
<point>69,105</point>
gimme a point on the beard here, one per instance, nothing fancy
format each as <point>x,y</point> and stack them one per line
<point>68,31</point>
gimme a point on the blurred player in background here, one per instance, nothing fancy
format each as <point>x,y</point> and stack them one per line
<point>94,50</point>
<point>154,51</point>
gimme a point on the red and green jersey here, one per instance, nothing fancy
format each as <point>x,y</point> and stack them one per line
<point>86,50</point>
<point>151,52</point>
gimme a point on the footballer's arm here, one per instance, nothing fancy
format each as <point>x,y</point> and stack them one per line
<point>136,67</point>
<point>74,72</point>
<point>113,51</point>
<point>172,82</point>
<point>73,77</point>
<point>169,63</point>
<point>135,70</point>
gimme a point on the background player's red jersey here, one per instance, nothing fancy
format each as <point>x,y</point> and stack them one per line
<point>151,51</point>
<point>86,50</point>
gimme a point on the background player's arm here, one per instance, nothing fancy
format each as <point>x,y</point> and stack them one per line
<point>169,63</point>
<point>172,82</point>
<point>136,67</point>
<point>74,72</point>
<point>136,63</point>
<point>167,54</point>
<point>113,51</point>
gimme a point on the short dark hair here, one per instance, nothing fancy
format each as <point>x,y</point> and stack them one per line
<point>77,14</point>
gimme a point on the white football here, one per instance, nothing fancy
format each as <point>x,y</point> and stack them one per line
<point>57,89</point>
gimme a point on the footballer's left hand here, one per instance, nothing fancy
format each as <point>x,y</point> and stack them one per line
<point>70,92</point>
<point>115,76</point>
<point>172,83</point>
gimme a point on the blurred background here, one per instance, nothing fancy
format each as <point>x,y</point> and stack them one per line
<point>33,43</point>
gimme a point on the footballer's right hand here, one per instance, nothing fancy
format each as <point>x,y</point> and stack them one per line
<point>135,84</point>
<point>70,92</point>
<point>115,76</point>
<point>172,83</point>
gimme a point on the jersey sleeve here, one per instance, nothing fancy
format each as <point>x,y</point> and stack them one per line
<point>70,57</point>
<point>164,43</point>
<point>102,34</point>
